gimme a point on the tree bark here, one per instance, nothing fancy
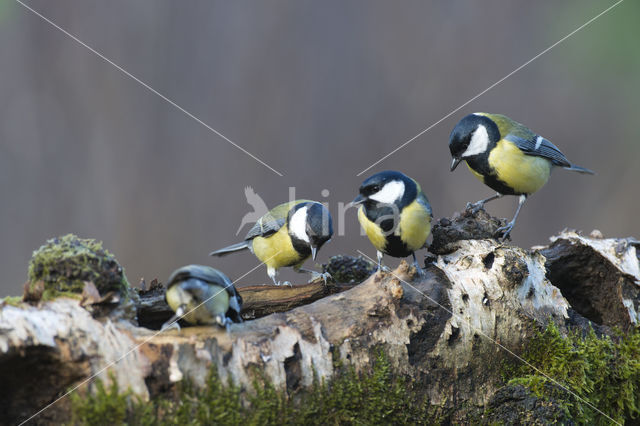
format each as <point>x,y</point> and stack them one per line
<point>476,304</point>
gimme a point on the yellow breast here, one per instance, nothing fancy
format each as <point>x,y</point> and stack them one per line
<point>476,174</point>
<point>415,226</point>
<point>524,173</point>
<point>276,250</point>
<point>373,231</point>
<point>198,311</point>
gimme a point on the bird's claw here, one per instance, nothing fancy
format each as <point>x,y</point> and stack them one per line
<point>382,268</point>
<point>504,231</point>
<point>475,207</point>
<point>419,271</point>
<point>226,323</point>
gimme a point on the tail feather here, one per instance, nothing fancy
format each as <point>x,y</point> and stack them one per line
<point>579,169</point>
<point>232,248</point>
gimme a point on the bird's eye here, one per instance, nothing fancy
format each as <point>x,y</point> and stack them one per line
<point>375,188</point>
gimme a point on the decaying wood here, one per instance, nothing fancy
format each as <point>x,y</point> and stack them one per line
<point>599,277</point>
<point>258,300</point>
<point>262,300</point>
<point>48,348</point>
<point>447,328</point>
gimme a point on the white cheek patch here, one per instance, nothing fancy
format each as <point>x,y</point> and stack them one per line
<point>389,193</point>
<point>479,142</point>
<point>298,224</point>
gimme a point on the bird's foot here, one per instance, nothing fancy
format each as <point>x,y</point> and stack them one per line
<point>324,275</point>
<point>419,271</point>
<point>383,269</point>
<point>475,207</point>
<point>225,322</point>
<point>281,283</point>
<point>504,231</point>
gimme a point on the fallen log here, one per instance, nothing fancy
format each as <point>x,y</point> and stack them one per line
<point>451,328</point>
<point>261,300</point>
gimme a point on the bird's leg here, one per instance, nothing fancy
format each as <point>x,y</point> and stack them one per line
<point>381,267</point>
<point>224,321</point>
<point>272,272</point>
<point>279,283</point>
<point>478,205</point>
<point>315,274</point>
<point>506,230</point>
<point>173,321</point>
<point>417,265</point>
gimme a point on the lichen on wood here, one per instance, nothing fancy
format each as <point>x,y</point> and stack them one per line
<point>451,329</point>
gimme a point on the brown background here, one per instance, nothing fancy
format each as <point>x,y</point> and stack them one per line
<point>318,90</point>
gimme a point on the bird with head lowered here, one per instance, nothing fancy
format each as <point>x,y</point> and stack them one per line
<point>202,295</point>
<point>287,236</point>
<point>395,214</point>
<point>506,156</point>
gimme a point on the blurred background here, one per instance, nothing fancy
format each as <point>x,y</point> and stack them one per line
<point>317,90</point>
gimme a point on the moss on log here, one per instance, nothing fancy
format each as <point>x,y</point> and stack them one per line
<point>451,329</point>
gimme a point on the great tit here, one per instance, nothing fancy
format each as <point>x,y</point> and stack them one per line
<point>506,156</point>
<point>395,214</point>
<point>202,295</point>
<point>286,236</point>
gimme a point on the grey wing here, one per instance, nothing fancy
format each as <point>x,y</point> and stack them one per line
<point>197,288</point>
<point>538,146</point>
<point>235,302</point>
<point>265,226</point>
<point>422,199</point>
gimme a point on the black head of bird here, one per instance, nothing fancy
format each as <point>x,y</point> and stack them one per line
<point>386,188</point>
<point>474,135</point>
<point>310,225</point>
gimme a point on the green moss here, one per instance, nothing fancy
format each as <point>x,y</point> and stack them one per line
<point>11,300</point>
<point>603,371</point>
<point>65,263</point>
<point>373,397</point>
<point>108,406</point>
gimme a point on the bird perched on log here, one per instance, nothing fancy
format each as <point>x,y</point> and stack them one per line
<point>287,236</point>
<point>507,156</point>
<point>395,214</point>
<point>202,295</point>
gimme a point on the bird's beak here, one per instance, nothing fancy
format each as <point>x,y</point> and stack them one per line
<point>455,163</point>
<point>314,252</point>
<point>357,201</point>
